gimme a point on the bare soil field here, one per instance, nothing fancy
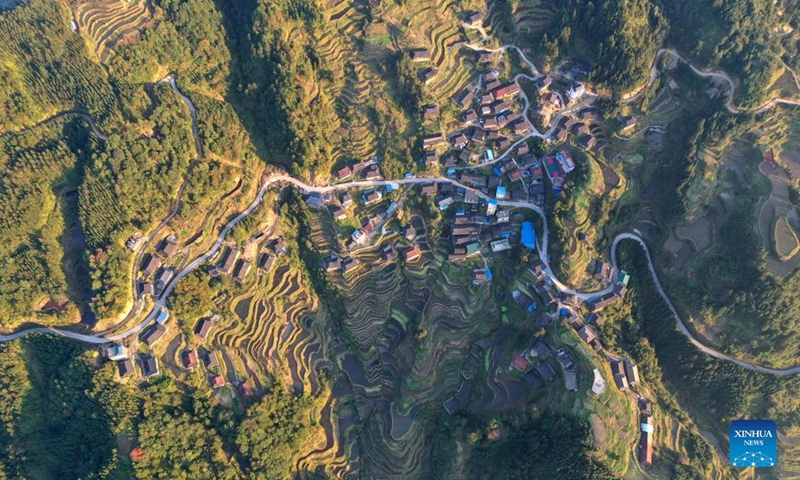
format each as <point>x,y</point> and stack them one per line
<point>697,232</point>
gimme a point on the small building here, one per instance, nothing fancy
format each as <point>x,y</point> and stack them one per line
<point>571,380</point>
<point>464,98</point>
<point>242,270</point>
<point>189,359</point>
<point>459,140</point>
<point>500,193</point>
<point>586,142</point>
<point>339,214</point>
<point>344,173</point>
<point>149,365</point>
<point>485,56</point>
<point>116,352</point>
<point>428,74</point>
<point>475,18</point>
<point>576,90</point>
<point>346,199</point>
<point>481,276</point>
<point>409,232</point>
<point>521,128</point>
<point>618,372</point>
<point>546,371</point>
<point>470,116</point>
<point>430,111</point>
<point>151,266</point>
<point>332,264</point>
<point>230,261</point>
<point>412,254</point>
<point>125,368</point>
<point>631,372</point>
<point>371,197</point>
<point>246,389</point>
<point>279,246</point>
<point>154,334</point>
<point>203,327</point>
<point>216,380</point>
<point>210,360</point>
<point>646,441</point>
<point>430,142</point>
<point>627,122</point>
<point>528,235</point>
<point>420,55</point>
<point>266,261</point>
<point>520,363</point>
<point>587,334</point>
<point>429,189</point>
<point>348,265</point>
<point>506,90</point>
<point>603,271</point>
<point>169,246</point>
<point>541,349</point>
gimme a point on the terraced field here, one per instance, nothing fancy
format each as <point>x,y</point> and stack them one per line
<point>108,22</point>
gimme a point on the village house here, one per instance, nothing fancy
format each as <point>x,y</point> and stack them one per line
<point>429,189</point>
<point>412,254</point>
<point>479,136</point>
<point>338,214</point>
<point>266,262</point>
<point>459,140</point>
<point>168,247</point>
<point>409,232</point>
<point>646,441</point>
<point>210,360</point>
<point>503,143</point>
<point>430,111</point>
<point>579,129</point>
<point>246,389</point>
<point>428,74</point>
<point>151,267</point>
<point>603,271</point>
<point>242,270</point>
<point>618,372</point>
<point>420,55</point>
<point>505,91</point>
<point>521,128</point>
<point>344,173</point>
<point>485,57</point>
<point>627,122</point>
<point>481,275</point>
<point>346,199</point>
<point>444,201</point>
<point>189,359</point>
<point>149,365</point>
<point>589,113</point>
<point>586,142</point>
<point>372,196</point>
<point>430,142</point>
<point>473,179</point>
<point>216,380</point>
<point>372,173</point>
<point>601,302</point>
<point>543,82</point>
<point>154,334</point>
<point>576,90</point>
<point>230,261</point>
<point>464,98</point>
<point>631,372</point>
<point>332,264</point>
<point>475,18</point>
<point>125,368</point>
<point>470,117</point>
<point>546,371</point>
<point>203,327</point>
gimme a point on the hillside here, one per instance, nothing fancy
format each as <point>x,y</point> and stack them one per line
<point>350,239</point>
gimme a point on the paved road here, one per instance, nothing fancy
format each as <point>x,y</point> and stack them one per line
<point>69,113</point>
<point>711,74</point>
<point>286,179</point>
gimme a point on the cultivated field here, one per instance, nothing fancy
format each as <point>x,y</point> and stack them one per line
<point>107,23</point>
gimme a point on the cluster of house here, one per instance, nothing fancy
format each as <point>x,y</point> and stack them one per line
<point>155,275</point>
<point>487,112</point>
<point>557,168</point>
<point>366,170</point>
<point>579,127</point>
<point>427,74</point>
<point>535,368</point>
<point>606,274</point>
<point>625,372</point>
<point>232,263</point>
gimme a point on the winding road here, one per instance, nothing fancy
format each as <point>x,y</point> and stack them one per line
<point>283,179</point>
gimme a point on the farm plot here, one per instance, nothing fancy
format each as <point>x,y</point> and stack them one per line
<point>109,22</point>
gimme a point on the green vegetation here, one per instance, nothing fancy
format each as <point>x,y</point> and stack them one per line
<point>523,445</point>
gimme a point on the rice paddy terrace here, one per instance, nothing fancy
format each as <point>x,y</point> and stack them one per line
<point>107,23</point>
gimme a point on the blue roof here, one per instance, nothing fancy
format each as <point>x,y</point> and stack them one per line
<point>564,312</point>
<point>492,201</point>
<point>528,235</point>
<point>488,274</point>
<point>501,192</point>
<point>162,317</point>
<point>496,171</point>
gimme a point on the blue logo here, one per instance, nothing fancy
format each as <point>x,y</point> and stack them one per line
<point>754,443</point>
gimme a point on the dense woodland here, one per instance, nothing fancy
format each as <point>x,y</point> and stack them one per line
<point>62,418</point>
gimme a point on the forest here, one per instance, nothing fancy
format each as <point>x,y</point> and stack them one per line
<point>63,418</point>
